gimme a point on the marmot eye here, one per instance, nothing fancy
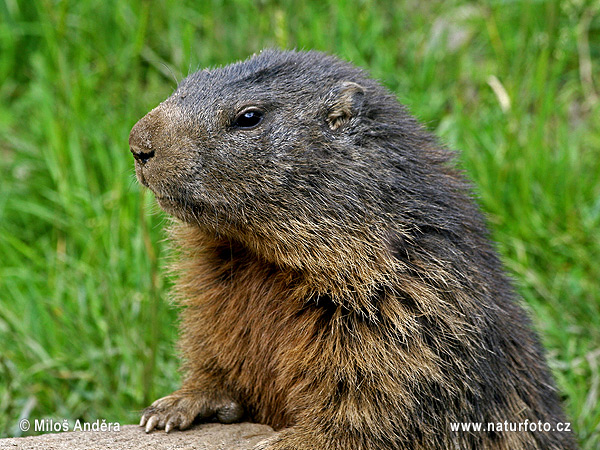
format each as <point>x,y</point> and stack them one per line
<point>248,119</point>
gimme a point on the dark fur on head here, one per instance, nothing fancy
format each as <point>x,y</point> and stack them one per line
<point>336,275</point>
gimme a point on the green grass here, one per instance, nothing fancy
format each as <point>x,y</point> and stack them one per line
<point>85,325</point>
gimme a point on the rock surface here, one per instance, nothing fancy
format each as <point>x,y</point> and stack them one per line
<point>211,436</point>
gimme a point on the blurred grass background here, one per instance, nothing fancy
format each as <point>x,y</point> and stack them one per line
<point>86,330</point>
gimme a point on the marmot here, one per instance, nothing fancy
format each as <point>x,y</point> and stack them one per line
<point>336,277</point>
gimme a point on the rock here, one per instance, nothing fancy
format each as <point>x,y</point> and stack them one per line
<point>210,436</point>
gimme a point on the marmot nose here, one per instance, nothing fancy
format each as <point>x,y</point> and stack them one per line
<point>141,155</point>
<point>140,142</point>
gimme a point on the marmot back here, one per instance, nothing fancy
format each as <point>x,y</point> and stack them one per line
<point>335,274</point>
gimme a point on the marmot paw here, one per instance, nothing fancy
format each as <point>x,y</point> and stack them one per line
<point>179,410</point>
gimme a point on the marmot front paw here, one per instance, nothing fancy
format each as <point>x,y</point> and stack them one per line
<point>179,410</point>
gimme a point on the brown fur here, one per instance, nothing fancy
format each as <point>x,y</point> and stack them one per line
<point>335,277</point>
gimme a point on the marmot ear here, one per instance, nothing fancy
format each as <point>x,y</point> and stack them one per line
<point>345,102</point>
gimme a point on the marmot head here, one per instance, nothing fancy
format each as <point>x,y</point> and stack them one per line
<point>283,135</point>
